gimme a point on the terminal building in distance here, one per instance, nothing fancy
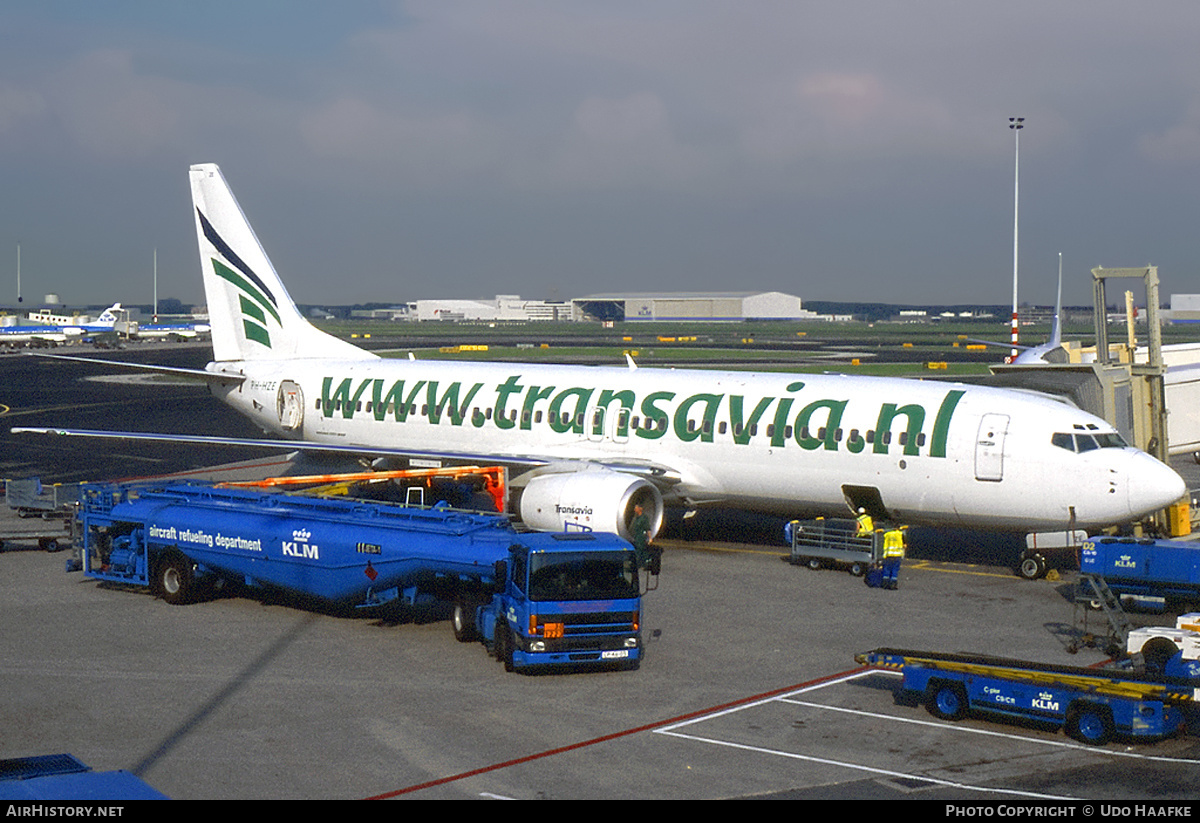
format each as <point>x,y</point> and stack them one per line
<point>631,306</point>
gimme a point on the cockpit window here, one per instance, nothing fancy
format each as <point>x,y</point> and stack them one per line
<point>1081,443</point>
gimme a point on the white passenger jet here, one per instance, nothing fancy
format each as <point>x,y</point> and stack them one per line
<point>172,331</point>
<point>55,329</point>
<point>106,320</point>
<point>588,443</point>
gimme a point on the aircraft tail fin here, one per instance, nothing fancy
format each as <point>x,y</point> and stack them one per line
<point>1056,331</point>
<point>251,314</point>
<point>109,316</point>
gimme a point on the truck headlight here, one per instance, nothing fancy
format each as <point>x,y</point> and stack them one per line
<point>537,645</point>
<point>631,642</point>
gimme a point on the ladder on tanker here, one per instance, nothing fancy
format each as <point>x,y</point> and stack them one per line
<point>1093,594</point>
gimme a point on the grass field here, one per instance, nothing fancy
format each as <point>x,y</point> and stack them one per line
<point>855,347</point>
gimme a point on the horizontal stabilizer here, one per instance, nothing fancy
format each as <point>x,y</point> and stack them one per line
<point>222,378</point>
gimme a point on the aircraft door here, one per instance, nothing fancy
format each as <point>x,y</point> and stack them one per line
<point>605,426</point>
<point>989,447</point>
<point>290,404</point>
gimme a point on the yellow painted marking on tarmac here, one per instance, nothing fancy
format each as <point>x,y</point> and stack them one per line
<point>3,409</point>
<point>945,568</point>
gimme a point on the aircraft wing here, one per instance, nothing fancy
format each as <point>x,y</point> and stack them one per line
<point>658,474</point>
<point>288,445</point>
<point>33,337</point>
<point>653,472</point>
<point>998,344</point>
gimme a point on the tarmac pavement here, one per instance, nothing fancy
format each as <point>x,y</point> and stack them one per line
<point>749,687</point>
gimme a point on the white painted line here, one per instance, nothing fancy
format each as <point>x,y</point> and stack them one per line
<point>1066,744</point>
<point>762,702</point>
<point>868,769</point>
<point>672,731</point>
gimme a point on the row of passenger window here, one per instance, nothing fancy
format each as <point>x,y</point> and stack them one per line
<point>636,422</point>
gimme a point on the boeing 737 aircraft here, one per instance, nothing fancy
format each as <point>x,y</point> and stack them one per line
<point>587,443</point>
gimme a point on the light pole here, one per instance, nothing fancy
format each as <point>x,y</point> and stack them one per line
<point>1016,124</point>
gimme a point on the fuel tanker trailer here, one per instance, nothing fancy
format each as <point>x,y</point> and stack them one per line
<point>533,598</point>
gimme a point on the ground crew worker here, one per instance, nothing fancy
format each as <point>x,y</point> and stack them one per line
<point>893,553</point>
<point>639,531</point>
<point>496,489</point>
<point>866,526</point>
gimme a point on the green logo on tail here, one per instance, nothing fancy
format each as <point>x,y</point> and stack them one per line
<point>254,304</point>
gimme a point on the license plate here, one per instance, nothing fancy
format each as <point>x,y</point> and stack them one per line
<point>617,655</point>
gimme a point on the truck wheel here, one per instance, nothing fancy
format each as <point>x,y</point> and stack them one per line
<point>463,621</point>
<point>814,563</point>
<point>857,569</point>
<point>504,646</point>
<point>946,700</point>
<point>1157,652</point>
<point>48,544</point>
<point>1089,724</point>
<point>176,582</point>
<point>1033,566</point>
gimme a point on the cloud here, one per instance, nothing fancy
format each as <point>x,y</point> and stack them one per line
<point>425,148</point>
<point>1178,145</point>
<point>620,142</point>
<point>19,107</point>
<point>108,110</point>
<point>777,133</point>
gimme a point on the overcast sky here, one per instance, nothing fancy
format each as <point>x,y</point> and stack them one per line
<point>389,151</point>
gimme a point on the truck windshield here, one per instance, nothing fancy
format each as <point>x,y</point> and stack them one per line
<point>583,576</point>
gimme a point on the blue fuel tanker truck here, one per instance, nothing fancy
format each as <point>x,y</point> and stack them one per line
<point>534,599</point>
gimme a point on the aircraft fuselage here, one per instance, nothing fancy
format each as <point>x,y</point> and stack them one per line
<point>934,452</point>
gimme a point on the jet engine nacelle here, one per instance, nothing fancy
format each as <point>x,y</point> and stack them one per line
<point>597,499</point>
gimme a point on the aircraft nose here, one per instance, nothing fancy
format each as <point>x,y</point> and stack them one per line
<point>1153,485</point>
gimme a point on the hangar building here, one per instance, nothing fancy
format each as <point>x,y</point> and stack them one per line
<point>504,307</point>
<point>771,305</point>
<point>1185,308</point>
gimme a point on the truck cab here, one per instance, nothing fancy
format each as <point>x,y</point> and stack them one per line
<point>565,599</point>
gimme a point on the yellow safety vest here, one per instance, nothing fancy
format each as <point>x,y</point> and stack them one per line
<point>893,543</point>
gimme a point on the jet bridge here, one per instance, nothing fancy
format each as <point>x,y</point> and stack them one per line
<point>1109,381</point>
